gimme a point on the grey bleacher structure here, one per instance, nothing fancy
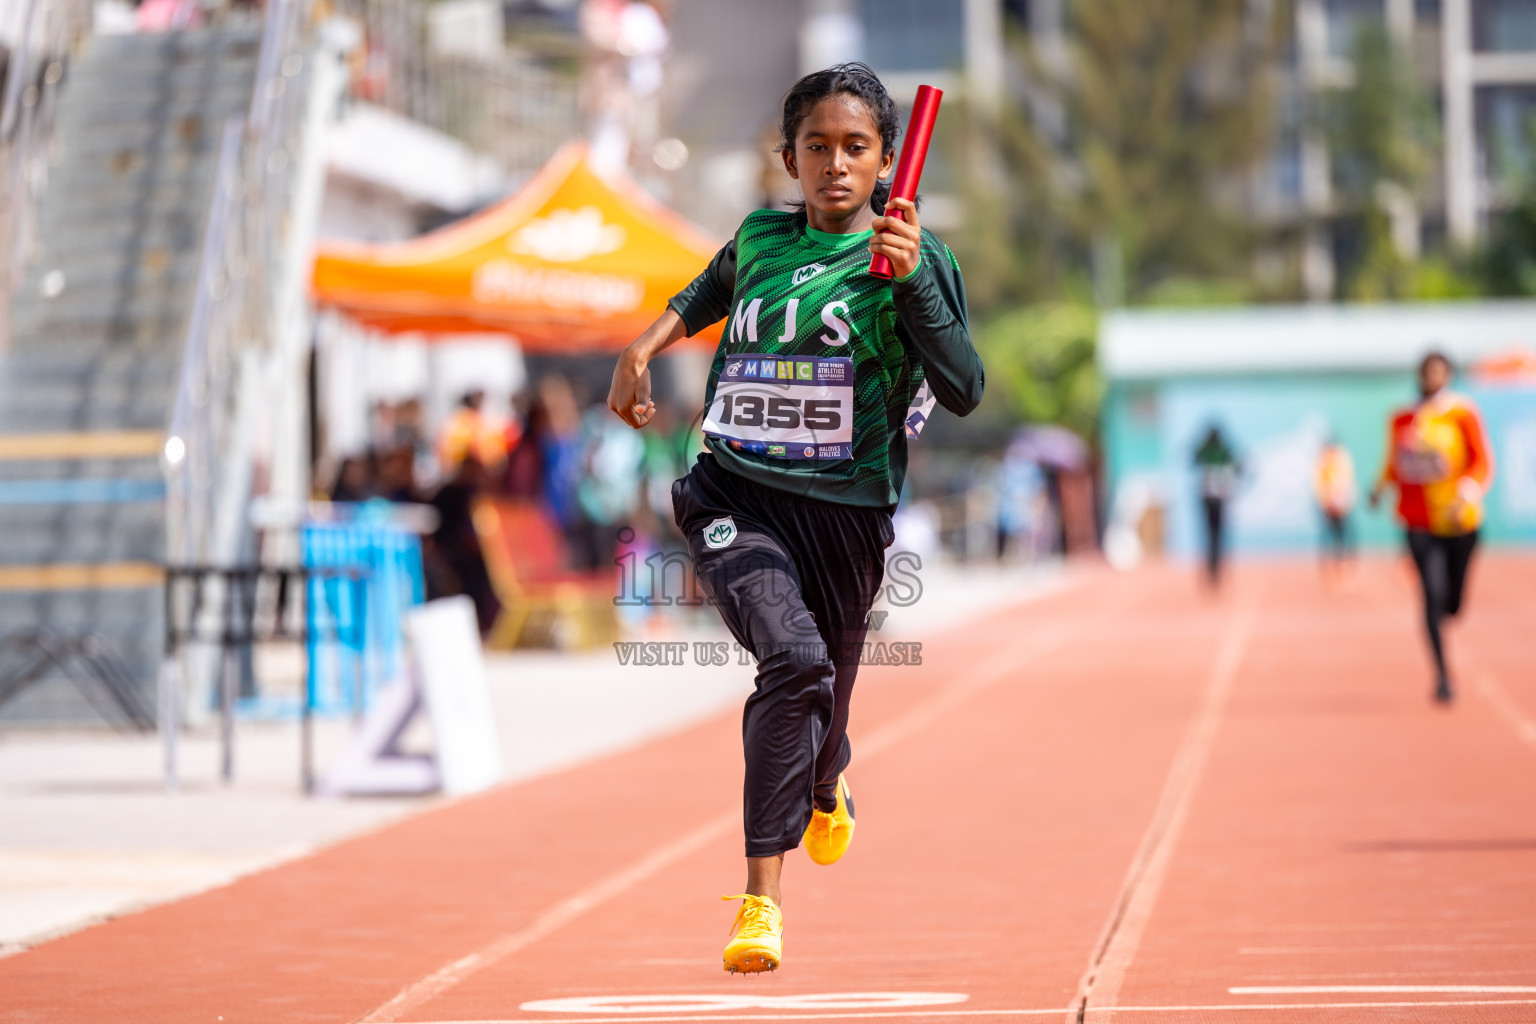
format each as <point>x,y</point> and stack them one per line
<point>95,364</point>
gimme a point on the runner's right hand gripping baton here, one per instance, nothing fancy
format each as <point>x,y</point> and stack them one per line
<point>909,166</point>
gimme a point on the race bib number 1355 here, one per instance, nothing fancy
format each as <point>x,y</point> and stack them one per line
<point>791,408</point>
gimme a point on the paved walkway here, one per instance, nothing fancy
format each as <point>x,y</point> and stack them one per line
<point>1126,801</point>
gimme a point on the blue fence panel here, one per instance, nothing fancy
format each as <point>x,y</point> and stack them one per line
<point>348,664</point>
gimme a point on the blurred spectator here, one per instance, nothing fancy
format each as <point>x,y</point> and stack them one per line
<point>1022,508</point>
<point>524,473</point>
<point>1336,493</point>
<point>354,480</point>
<point>456,564</point>
<point>411,433</point>
<point>609,489</point>
<point>588,473</point>
<point>562,448</point>
<point>396,474</point>
<point>470,431</point>
<point>670,446</point>
<point>167,15</point>
<point>381,426</point>
<point>1219,469</point>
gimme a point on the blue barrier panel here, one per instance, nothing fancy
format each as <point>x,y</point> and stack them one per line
<point>347,665</point>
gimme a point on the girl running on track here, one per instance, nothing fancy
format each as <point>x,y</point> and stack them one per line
<point>1439,458</point>
<point>820,379</point>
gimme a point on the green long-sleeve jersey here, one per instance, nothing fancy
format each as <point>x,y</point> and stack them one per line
<point>824,372</point>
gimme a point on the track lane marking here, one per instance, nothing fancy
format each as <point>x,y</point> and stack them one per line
<point>553,918</point>
<point>999,666</point>
<point>1488,686</point>
<point>1423,947</point>
<point>1053,1011</point>
<point>1426,990</point>
<point>1492,690</point>
<point>1121,939</point>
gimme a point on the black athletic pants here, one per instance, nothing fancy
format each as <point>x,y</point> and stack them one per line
<point>1214,530</point>
<point>1338,542</point>
<point>1442,564</point>
<point>794,579</point>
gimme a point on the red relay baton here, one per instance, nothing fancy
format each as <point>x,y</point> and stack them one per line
<point>909,166</point>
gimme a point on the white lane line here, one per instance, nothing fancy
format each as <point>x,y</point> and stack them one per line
<point>723,1002</point>
<point>556,916</point>
<point>1100,986</point>
<point>1491,690</point>
<point>1054,1011</point>
<point>1438,947</point>
<point>1390,990</point>
<point>993,670</point>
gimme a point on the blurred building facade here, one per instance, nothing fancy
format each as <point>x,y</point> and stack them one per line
<point>1473,61</point>
<point>1477,60</point>
<point>733,60</point>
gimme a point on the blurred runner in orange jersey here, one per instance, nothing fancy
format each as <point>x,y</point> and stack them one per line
<point>1336,493</point>
<point>1439,458</point>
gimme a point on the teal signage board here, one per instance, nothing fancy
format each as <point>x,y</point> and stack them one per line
<point>1277,424</point>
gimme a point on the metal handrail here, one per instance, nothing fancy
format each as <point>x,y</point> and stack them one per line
<point>190,447</point>
<point>231,312</point>
<point>209,457</point>
<point>26,122</point>
<point>16,73</point>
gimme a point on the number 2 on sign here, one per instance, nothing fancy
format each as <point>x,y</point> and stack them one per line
<point>781,413</point>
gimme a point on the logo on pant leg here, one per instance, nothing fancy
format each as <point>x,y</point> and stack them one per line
<point>720,533</point>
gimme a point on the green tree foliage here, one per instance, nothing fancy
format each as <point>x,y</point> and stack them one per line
<point>1381,127</point>
<point>1384,274</point>
<point>1164,111</point>
<point>1381,133</point>
<point>1040,364</point>
<point>1507,266</point>
<point>1125,169</point>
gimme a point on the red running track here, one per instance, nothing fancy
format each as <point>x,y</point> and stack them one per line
<point>1125,802</point>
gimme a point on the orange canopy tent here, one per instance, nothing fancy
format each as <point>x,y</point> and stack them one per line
<point>573,262</point>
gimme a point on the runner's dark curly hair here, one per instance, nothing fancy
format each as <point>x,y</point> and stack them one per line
<point>858,81</point>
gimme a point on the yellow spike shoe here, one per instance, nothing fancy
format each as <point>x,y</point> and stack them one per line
<point>757,937</point>
<point>828,835</point>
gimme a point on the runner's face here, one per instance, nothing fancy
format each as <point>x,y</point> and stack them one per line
<point>1434,376</point>
<point>837,160</point>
